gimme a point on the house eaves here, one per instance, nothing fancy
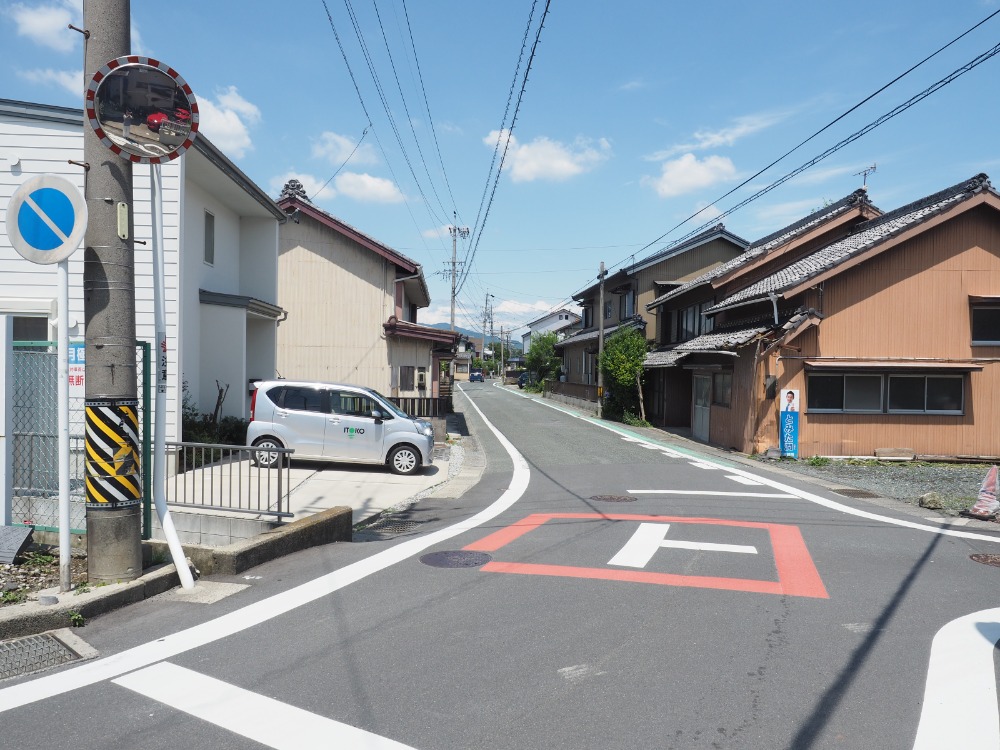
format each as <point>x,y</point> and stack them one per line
<point>870,238</point>
<point>716,232</point>
<point>553,312</point>
<point>760,248</point>
<point>252,305</point>
<point>721,342</point>
<point>593,335</point>
<point>405,329</point>
<point>292,204</point>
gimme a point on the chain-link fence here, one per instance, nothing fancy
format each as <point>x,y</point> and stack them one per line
<point>35,435</point>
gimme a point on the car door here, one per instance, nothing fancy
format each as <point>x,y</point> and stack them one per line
<point>300,420</point>
<point>353,433</point>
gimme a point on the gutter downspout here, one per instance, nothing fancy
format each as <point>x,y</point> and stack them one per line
<point>774,302</point>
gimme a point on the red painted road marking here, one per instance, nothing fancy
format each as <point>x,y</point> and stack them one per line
<point>797,575</point>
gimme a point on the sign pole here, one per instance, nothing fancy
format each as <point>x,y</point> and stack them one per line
<point>160,408</point>
<point>65,571</point>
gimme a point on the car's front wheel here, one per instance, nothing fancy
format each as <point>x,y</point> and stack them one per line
<point>404,459</point>
<point>266,457</point>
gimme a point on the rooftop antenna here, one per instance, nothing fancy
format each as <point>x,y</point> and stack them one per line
<point>864,175</point>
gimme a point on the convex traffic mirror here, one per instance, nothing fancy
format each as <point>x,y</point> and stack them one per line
<point>142,110</point>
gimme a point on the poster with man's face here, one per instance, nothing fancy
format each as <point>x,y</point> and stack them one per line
<point>790,401</point>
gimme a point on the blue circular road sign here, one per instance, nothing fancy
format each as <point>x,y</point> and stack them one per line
<point>46,219</point>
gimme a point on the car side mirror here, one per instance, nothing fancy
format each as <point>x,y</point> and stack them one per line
<point>378,416</point>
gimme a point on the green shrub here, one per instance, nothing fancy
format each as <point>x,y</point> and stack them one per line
<point>818,461</point>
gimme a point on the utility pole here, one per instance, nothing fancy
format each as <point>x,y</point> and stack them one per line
<point>600,343</point>
<point>501,355</point>
<point>114,549</point>
<point>486,315</point>
<point>455,231</point>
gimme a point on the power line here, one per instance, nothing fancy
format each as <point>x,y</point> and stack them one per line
<point>356,147</point>
<point>821,130</point>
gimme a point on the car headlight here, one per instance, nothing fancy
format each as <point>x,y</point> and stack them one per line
<point>426,428</point>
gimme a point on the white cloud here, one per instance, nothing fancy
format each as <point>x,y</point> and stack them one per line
<point>138,47</point>
<point>48,24</point>
<point>545,159</point>
<point>337,149</point>
<point>632,85</point>
<point>367,188</point>
<point>687,174</point>
<point>706,139</point>
<point>437,232</point>
<point>70,80</point>
<point>227,121</point>
<point>781,214</point>
<point>817,176</point>
<point>710,211</point>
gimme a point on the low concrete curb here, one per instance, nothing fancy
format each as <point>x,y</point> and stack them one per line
<point>31,618</point>
<point>331,525</point>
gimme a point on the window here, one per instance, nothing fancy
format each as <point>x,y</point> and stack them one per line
<point>588,317</point>
<point>689,322</point>
<point>886,393</point>
<point>209,239</point>
<point>986,325</point>
<point>608,308</point>
<point>31,329</point>
<point>722,388</point>
<point>297,398</point>
<point>406,377</point>
<point>352,404</point>
<point>626,305</point>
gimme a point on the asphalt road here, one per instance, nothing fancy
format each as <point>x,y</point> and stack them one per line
<point>635,596</point>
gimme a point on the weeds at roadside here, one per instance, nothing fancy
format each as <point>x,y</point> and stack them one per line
<point>76,620</point>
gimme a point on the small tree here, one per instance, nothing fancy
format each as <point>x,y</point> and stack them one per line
<point>541,358</point>
<point>621,363</point>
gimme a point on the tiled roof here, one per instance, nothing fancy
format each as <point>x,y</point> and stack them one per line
<point>717,341</point>
<point>683,245</point>
<point>768,243</point>
<point>594,334</point>
<point>866,236</point>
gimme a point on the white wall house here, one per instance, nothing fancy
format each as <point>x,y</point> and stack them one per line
<point>220,257</point>
<point>559,321</point>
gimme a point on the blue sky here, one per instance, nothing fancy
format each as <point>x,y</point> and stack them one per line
<point>635,115</point>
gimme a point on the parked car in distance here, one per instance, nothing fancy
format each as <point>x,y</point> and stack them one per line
<point>476,376</point>
<point>523,379</point>
<point>335,422</point>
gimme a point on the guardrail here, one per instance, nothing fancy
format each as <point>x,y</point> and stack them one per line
<point>222,477</point>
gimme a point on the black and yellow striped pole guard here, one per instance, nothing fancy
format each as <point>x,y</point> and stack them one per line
<point>112,453</point>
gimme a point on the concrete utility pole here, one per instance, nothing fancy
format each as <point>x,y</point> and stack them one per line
<point>113,490</point>
<point>600,343</point>
<point>455,231</point>
<point>486,315</point>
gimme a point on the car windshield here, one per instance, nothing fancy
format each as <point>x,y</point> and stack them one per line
<point>388,404</point>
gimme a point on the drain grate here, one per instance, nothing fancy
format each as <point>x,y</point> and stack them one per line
<point>455,559</point>
<point>33,653</point>
<point>442,452</point>
<point>613,498</point>
<point>852,492</point>
<point>993,560</point>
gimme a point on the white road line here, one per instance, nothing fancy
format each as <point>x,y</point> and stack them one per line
<point>265,720</point>
<point>702,465</point>
<point>267,609</point>
<point>742,480</point>
<point>960,698</point>
<point>746,549</point>
<point>716,493</point>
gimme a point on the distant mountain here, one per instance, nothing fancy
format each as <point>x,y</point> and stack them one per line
<point>477,336</point>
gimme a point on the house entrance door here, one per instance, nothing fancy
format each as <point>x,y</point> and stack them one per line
<point>701,407</point>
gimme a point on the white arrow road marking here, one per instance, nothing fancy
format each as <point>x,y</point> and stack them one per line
<point>649,537</point>
<point>266,609</point>
<point>256,717</point>
<point>960,699</point>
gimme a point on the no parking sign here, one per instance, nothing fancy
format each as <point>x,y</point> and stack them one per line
<point>46,219</point>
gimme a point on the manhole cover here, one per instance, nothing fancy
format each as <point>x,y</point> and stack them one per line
<point>33,653</point>
<point>851,492</point>
<point>993,560</point>
<point>613,499</point>
<point>455,559</point>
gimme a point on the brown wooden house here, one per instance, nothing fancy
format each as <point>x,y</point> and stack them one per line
<point>887,326</point>
<point>627,294</point>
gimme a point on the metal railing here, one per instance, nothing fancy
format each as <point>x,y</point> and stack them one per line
<point>420,406</point>
<point>223,477</point>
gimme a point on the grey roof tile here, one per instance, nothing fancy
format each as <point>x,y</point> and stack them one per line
<point>866,236</point>
<point>768,243</point>
<point>709,342</point>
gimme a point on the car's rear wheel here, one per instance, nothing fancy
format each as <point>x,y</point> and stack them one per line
<point>266,457</point>
<point>404,459</point>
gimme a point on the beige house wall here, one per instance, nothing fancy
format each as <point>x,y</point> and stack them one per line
<point>338,295</point>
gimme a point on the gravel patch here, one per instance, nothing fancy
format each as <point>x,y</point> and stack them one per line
<point>956,484</point>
